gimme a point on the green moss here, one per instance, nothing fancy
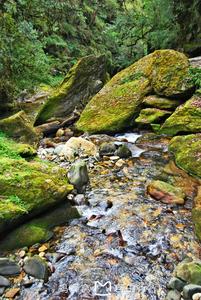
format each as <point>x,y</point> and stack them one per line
<point>196,216</point>
<point>189,272</point>
<point>187,152</point>
<point>186,118</point>
<point>118,103</point>
<point>150,115</point>
<point>160,102</point>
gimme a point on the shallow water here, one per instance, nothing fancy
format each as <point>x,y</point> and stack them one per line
<point>124,238</point>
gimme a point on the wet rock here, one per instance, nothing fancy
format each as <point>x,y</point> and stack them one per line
<point>79,85</point>
<point>189,271</point>
<point>165,192</point>
<point>36,267</point>
<point>107,149</point>
<point>176,284</point>
<point>189,290</point>
<point>123,152</point>
<point>78,175</point>
<point>77,146</point>
<point>186,118</point>
<point>79,199</point>
<point>173,295</point>
<point>8,267</point>
<point>116,105</point>
<point>4,282</point>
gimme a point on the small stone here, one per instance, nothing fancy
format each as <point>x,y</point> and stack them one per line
<point>41,254</point>
<point>22,254</point>
<point>107,149</point>
<point>176,284</point>
<point>78,175</point>
<point>197,296</point>
<point>4,282</point>
<point>173,295</point>
<point>12,293</point>
<point>2,291</point>
<point>123,152</point>
<point>79,199</point>
<point>8,267</point>
<point>60,132</point>
<point>120,163</point>
<point>114,158</point>
<point>43,248</point>
<point>36,267</point>
<point>191,289</point>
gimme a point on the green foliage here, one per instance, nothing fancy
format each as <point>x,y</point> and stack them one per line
<point>195,74</point>
<point>7,148</point>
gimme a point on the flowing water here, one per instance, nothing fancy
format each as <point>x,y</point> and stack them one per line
<point>126,244</point>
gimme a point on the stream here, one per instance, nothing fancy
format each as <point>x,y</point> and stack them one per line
<point>126,244</point>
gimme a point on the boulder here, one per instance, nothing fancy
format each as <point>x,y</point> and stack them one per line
<point>116,106</point>
<point>186,118</point>
<point>83,81</point>
<point>160,102</point>
<point>19,127</point>
<point>187,153</point>
<point>77,146</point>
<point>165,192</point>
<point>151,115</point>
<point>196,213</point>
<point>189,271</point>
<point>78,175</point>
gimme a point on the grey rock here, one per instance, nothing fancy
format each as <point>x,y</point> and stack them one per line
<point>173,295</point>
<point>8,267</point>
<point>78,175</point>
<point>176,284</point>
<point>36,267</point>
<point>80,199</point>
<point>2,289</point>
<point>58,149</point>
<point>189,290</point>
<point>4,282</point>
<point>107,149</point>
<point>123,152</point>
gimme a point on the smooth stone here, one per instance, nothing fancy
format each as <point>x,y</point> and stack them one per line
<point>36,267</point>
<point>4,282</point>
<point>107,149</point>
<point>123,152</point>
<point>79,199</point>
<point>2,291</point>
<point>8,267</point>
<point>173,295</point>
<point>176,284</point>
<point>197,296</point>
<point>78,175</point>
<point>191,289</point>
<point>58,149</point>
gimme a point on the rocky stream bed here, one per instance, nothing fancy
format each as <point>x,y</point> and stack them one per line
<point>123,237</point>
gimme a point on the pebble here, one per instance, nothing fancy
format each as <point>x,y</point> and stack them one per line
<point>22,254</point>
<point>43,248</point>
<point>197,296</point>
<point>114,158</point>
<point>8,267</point>
<point>120,163</point>
<point>36,267</point>
<point>79,199</point>
<point>191,289</point>
<point>12,293</point>
<point>173,295</point>
<point>4,282</point>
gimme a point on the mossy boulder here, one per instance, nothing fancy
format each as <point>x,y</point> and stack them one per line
<point>160,102</point>
<point>115,107</point>
<point>186,118</point>
<point>189,271</point>
<point>39,230</point>
<point>151,115</point>
<point>82,82</point>
<point>187,153</point>
<point>19,127</point>
<point>196,213</point>
<point>28,188</point>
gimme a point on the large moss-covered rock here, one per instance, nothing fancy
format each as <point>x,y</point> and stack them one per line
<point>160,102</point>
<point>187,152</point>
<point>28,188</point>
<point>82,82</point>
<point>189,271</point>
<point>196,213</point>
<point>19,127</point>
<point>151,115</point>
<point>114,108</point>
<point>186,118</point>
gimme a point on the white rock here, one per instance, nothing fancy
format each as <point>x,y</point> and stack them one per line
<point>197,296</point>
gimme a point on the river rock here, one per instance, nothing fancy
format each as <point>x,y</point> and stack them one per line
<point>160,102</point>
<point>78,175</point>
<point>187,152</point>
<point>4,282</point>
<point>197,296</point>
<point>186,118</point>
<point>173,295</point>
<point>36,267</point>
<point>189,290</point>
<point>8,267</point>
<point>82,82</point>
<point>19,127</point>
<point>123,152</point>
<point>77,146</point>
<point>117,105</point>
<point>176,284</point>
<point>165,192</point>
<point>107,149</point>
<point>189,271</point>
<point>151,115</point>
